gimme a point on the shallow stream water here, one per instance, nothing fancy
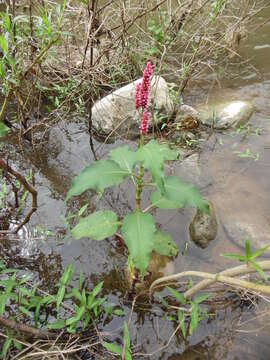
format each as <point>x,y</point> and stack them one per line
<point>238,186</point>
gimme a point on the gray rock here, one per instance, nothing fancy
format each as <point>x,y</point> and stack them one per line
<point>226,115</point>
<point>238,230</point>
<point>203,227</point>
<point>116,112</point>
<point>189,170</point>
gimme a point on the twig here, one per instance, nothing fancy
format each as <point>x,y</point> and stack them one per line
<point>225,277</point>
<point>27,186</point>
<point>26,329</point>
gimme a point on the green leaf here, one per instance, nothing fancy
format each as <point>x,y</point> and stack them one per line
<point>18,345</point>
<point>60,296</point>
<point>127,343</point>
<point>67,275</point>
<point>181,193</point>
<point>161,202</point>
<point>6,347</point>
<point>25,311</point>
<point>258,269</point>
<point>119,312</point>
<point>178,296</point>
<point>97,176</point>
<point>60,324</point>
<point>247,248</point>
<point>164,244</point>
<point>124,157</point>
<point>199,299</point>
<point>3,129</point>
<point>138,231</point>
<point>97,226</point>
<point>181,320</point>
<point>97,289</point>
<point>194,318</point>
<point>82,210</point>
<point>258,252</point>
<point>112,348</point>
<point>235,256</point>
<point>153,155</point>
<point>4,44</point>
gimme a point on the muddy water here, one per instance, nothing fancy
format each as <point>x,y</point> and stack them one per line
<point>238,186</point>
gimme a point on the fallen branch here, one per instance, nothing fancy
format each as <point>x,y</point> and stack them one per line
<point>26,329</point>
<point>225,277</point>
<point>27,187</point>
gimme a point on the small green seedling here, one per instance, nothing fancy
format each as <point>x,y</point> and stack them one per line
<point>249,257</point>
<point>190,310</point>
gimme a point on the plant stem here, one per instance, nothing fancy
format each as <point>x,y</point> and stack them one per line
<point>4,106</point>
<point>140,179</point>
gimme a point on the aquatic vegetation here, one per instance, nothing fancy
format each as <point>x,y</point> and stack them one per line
<point>138,229</point>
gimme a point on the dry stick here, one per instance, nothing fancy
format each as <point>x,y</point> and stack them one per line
<point>224,277</point>
<point>27,186</point>
<point>26,329</point>
<point>238,270</point>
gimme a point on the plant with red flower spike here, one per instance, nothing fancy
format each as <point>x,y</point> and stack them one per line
<point>142,96</point>
<point>138,228</point>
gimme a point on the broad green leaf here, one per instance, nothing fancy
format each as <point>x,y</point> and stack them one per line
<point>112,348</point>
<point>97,176</point>
<point>124,157</point>
<point>97,226</point>
<point>184,194</point>
<point>178,296</point>
<point>3,129</point>
<point>138,231</point>
<point>181,320</point>
<point>258,268</point>
<point>164,244</point>
<point>153,155</point>
<point>161,202</point>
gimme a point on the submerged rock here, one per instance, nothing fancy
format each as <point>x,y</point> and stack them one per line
<point>203,227</point>
<point>187,118</point>
<point>190,170</point>
<point>226,115</point>
<point>116,112</point>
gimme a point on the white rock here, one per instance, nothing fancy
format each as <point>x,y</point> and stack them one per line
<point>116,112</point>
<point>226,115</point>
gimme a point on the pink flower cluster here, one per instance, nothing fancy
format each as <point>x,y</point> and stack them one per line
<point>142,96</point>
